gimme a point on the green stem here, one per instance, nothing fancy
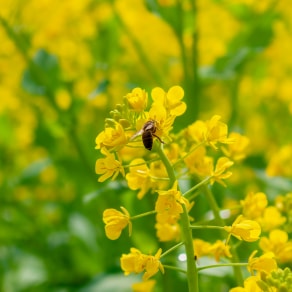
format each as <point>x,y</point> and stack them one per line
<point>174,268</point>
<point>197,186</point>
<point>192,273</point>
<point>206,227</point>
<point>143,215</point>
<point>223,265</point>
<point>171,249</point>
<point>167,164</point>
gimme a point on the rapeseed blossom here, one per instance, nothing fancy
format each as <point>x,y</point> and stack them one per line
<point>136,262</point>
<point>244,229</point>
<point>115,221</point>
<point>264,264</point>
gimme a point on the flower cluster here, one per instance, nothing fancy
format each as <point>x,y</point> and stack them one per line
<point>139,144</point>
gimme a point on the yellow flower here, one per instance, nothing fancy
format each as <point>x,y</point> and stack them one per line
<point>171,100</point>
<point>211,132</point>
<point>219,249</point>
<point>111,137</point>
<point>219,173</point>
<point>115,221</point>
<point>169,203</point>
<point>138,177</point>
<point>264,264</point>
<point>108,166</point>
<point>137,99</point>
<point>243,229</point>
<point>145,286</point>
<point>198,163</point>
<point>279,244</point>
<point>271,219</point>
<point>167,231</point>
<point>280,162</point>
<point>201,247</point>
<point>153,265</point>
<point>236,150</point>
<point>136,262</point>
<point>250,285</point>
<point>254,205</point>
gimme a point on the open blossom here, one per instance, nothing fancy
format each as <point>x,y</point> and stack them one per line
<point>250,285</point>
<point>169,203</point>
<point>263,264</point>
<point>111,137</point>
<point>279,244</point>
<point>137,99</point>
<point>254,205</point>
<point>145,286</point>
<point>220,172</point>
<point>170,100</point>
<point>211,132</point>
<point>243,229</point>
<point>136,262</point>
<point>108,166</point>
<point>115,221</point>
<point>237,149</point>
<point>138,177</point>
<point>271,219</point>
<point>167,231</point>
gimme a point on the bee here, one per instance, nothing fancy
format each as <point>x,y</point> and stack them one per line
<point>148,134</point>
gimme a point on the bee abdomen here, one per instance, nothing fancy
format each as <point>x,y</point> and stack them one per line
<point>147,139</point>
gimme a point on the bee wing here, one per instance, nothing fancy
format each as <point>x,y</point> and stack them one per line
<point>136,135</point>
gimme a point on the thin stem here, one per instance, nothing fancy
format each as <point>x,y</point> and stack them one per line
<point>174,268</point>
<point>171,249</point>
<point>223,265</point>
<point>197,186</point>
<point>206,227</point>
<point>143,215</point>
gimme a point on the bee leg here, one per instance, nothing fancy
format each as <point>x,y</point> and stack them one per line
<point>158,138</point>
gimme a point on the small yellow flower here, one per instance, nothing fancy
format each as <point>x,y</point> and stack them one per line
<point>254,205</point>
<point>219,173</point>
<point>198,163</point>
<point>138,177</point>
<point>167,231</point>
<point>136,262</point>
<point>108,166</point>
<point>169,203</point>
<point>137,99</point>
<point>271,219</point>
<point>280,162</point>
<point>201,247</point>
<point>171,100</point>
<point>279,244</point>
<point>153,265</point>
<point>145,286</point>
<point>243,229</point>
<point>219,249</point>
<point>111,138</point>
<point>264,264</point>
<point>237,150</point>
<point>115,221</point>
<point>250,285</point>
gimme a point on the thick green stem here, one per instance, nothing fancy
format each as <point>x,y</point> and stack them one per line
<point>192,273</point>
